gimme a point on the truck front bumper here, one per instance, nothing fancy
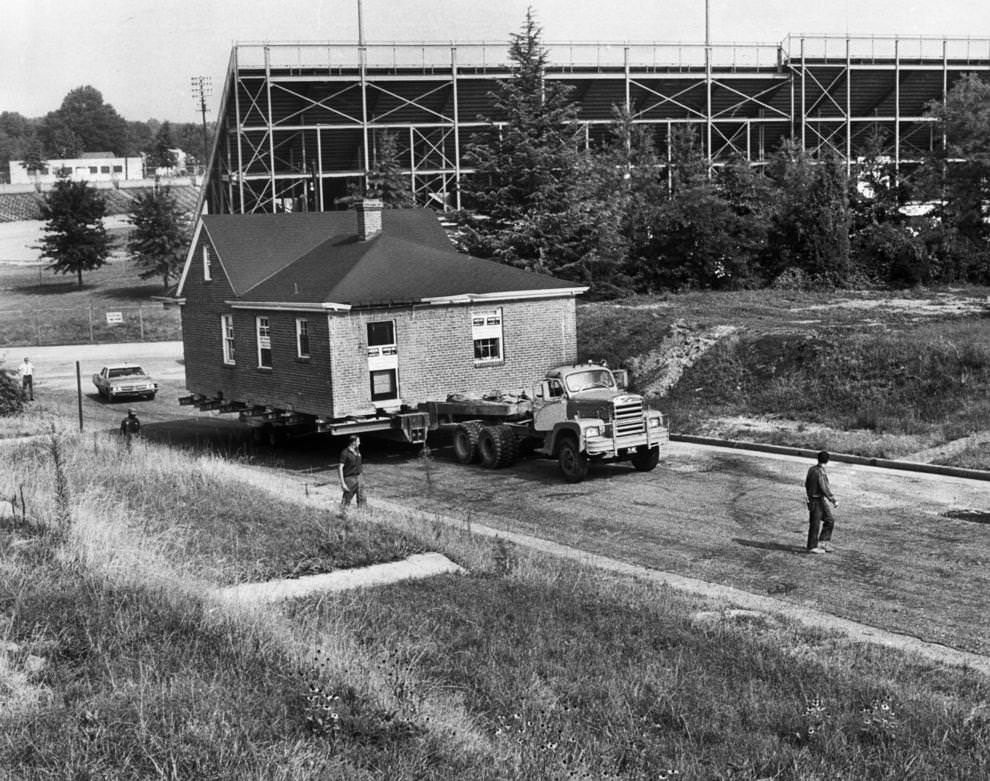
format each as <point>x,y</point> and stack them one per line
<point>604,446</point>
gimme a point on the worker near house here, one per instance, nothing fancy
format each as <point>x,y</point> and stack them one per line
<point>820,518</point>
<point>130,427</point>
<point>349,470</point>
<point>26,372</point>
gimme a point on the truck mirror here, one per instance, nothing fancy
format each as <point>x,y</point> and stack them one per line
<point>621,378</point>
<point>544,390</point>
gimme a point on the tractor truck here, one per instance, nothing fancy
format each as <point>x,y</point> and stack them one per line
<point>578,414</point>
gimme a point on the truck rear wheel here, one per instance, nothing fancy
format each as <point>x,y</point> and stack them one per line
<point>646,458</point>
<point>466,442</point>
<point>573,463</point>
<point>497,446</point>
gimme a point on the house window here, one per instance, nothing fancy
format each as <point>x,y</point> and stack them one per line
<point>104,169</point>
<point>118,169</point>
<point>264,343</point>
<point>302,337</point>
<point>207,265</point>
<point>227,331</point>
<point>384,385</point>
<point>381,338</point>
<point>486,331</point>
<point>94,169</point>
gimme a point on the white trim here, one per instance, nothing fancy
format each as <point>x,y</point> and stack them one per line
<point>288,306</point>
<point>473,298</point>
<point>258,340</point>
<point>190,254</point>
<point>228,349</point>
<point>299,352</point>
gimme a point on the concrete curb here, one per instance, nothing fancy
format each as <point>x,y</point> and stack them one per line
<point>883,463</point>
<point>420,565</point>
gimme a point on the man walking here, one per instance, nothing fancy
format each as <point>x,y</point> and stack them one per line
<point>26,372</point>
<point>130,427</point>
<point>820,518</point>
<point>349,471</point>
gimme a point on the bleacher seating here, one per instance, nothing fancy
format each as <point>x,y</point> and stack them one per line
<point>27,205</point>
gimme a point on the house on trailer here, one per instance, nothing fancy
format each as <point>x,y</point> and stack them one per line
<point>358,316</point>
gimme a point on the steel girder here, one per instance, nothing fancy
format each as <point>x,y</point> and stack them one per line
<point>299,122</point>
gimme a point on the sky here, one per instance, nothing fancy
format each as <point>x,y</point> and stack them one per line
<point>141,54</point>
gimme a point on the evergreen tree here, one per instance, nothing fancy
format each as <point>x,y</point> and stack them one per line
<point>385,179</point>
<point>75,239</point>
<point>160,238</point>
<point>958,181</point>
<point>159,154</point>
<point>525,163</point>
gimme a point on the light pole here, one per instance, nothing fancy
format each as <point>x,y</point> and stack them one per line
<point>202,88</point>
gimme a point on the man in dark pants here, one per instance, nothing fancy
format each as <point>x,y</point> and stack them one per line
<point>26,372</point>
<point>820,519</point>
<point>349,471</point>
<point>130,427</point>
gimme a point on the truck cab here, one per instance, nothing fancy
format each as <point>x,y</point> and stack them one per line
<point>584,411</point>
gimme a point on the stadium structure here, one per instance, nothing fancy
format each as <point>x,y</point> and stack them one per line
<point>298,122</point>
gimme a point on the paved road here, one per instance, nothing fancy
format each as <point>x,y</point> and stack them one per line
<point>912,550</point>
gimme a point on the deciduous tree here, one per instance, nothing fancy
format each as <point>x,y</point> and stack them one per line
<point>75,239</point>
<point>160,238</point>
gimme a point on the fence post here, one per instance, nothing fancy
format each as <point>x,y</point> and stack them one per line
<point>91,324</point>
<point>37,330</point>
<point>141,320</point>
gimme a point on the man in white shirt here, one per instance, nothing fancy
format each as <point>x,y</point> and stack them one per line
<point>26,372</point>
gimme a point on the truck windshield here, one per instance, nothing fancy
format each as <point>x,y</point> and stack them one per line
<point>593,378</point>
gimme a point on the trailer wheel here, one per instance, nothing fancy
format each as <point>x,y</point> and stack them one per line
<point>497,446</point>
<point>646,458</point>
<point>573,463</point>
<point>466,442</point>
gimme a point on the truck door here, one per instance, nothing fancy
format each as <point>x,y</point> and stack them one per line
<point>550,410</point>
<point>383,364</point>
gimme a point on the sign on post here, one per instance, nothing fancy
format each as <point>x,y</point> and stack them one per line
<point>115,318</point>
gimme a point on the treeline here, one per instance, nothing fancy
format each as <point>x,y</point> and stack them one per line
<point>85,123</point>
<point>621,219</point>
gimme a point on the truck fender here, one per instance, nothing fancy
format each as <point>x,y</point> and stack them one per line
<point>565,428</point>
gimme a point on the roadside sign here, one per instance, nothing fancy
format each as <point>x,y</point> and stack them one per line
<point>114,318</point>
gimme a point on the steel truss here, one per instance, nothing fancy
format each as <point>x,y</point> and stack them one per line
<point>299,123</point>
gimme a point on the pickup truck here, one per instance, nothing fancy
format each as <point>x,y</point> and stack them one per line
<point>124,381</point>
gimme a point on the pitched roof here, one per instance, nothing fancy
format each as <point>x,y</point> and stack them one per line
<point>316,258</point>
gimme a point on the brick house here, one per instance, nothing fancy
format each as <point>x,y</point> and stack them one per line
<point>344,315</point>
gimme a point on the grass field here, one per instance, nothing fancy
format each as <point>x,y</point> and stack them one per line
<point>118,662</point>
<point>42,308</point>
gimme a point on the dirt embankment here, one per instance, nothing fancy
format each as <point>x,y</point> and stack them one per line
<point>659,370</point>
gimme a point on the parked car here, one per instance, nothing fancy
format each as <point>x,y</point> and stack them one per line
<point>124,381</point>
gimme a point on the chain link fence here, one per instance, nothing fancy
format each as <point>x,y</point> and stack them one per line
<point>93,324</point>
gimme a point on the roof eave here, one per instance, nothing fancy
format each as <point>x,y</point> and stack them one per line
<point>290,306</point>
<point>470,298</point>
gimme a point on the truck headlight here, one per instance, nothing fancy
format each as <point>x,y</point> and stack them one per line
<point>656,422</point>
<point>593,431</point>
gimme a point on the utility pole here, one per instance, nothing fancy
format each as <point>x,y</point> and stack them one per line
<point>202,88</point>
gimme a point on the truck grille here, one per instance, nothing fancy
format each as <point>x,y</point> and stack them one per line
<point>628,417</point>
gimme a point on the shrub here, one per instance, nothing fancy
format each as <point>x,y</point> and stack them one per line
<point>11,399</point>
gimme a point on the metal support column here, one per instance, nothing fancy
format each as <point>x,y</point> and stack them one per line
<point>848,110</point>
<point>363,57</point>
<point>897,110</point>
<point>269,119</point>
<point>803,69</point>
<point>457,130</point>
<point>319,164</point>
<point>239,127</point>
<point>708,90</point>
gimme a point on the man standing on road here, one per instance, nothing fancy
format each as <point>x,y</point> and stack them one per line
<point>820,518</point>
<point>130,427</point>
<point>26,372</point>
<point>349,471</point>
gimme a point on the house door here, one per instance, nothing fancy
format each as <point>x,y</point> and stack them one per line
<point>383,364</point>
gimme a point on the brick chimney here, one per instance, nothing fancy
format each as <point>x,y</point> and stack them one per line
<point>369,218</point>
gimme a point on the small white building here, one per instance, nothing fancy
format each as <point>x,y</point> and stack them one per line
<point>90,167</point>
